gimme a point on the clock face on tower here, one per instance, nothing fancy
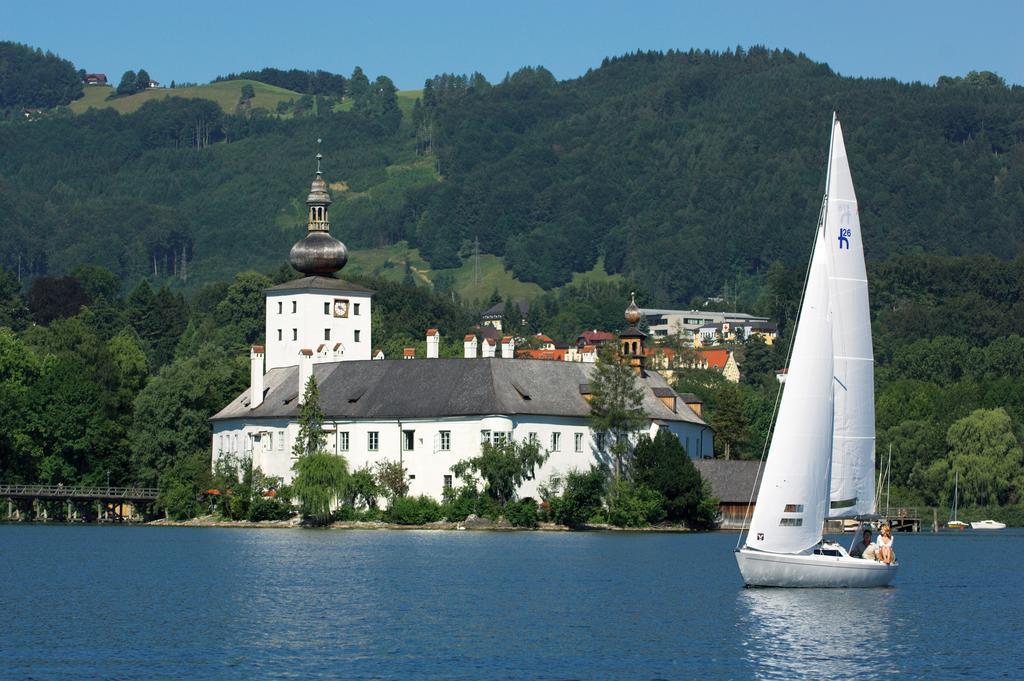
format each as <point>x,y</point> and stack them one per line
<point>340,307</point>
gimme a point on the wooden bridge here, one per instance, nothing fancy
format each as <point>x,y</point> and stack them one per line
<point>73,503</point>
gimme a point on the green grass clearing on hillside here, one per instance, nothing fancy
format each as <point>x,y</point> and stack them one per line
<point>597,275</point>
<point>389,263</point>
<point>224,93</point>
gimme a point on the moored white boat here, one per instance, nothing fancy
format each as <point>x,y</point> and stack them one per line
<point>988,525</point>
<point>820,462</point>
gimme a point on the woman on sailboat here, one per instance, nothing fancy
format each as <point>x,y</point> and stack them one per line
<point>884,543</point>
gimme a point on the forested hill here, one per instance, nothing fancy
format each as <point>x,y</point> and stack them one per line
<point>684,171</point>
<point>686,168</point>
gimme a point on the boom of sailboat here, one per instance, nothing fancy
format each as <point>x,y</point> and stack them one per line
<point>821,459</point>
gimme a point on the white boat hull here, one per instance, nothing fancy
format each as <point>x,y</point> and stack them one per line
<point>759,568</point>
<point>988,525</point>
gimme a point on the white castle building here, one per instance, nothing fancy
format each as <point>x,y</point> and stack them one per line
<point>427,413</point>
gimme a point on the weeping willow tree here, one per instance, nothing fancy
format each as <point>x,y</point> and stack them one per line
<point>320,477</point>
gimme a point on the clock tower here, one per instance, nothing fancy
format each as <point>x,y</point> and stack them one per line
<point>319,312</point>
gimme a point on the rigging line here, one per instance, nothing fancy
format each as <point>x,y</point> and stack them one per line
<point>789,355</point>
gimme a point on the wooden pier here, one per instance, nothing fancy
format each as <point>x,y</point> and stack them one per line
<point>43,503</point>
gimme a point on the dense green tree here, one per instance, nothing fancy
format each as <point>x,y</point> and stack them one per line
<point>51,298</point>
<point>129,83</point>
<point>503,466</point>
<point>171,414</point>
<point>311,437</point>
<point>31,78</point>
<point>319,483</point>
<point>729,420</point>
<point>984,449</point>
<point>576,498</point>
<point>662,464</point>
<point>14,312</point>
<point>242,309</point>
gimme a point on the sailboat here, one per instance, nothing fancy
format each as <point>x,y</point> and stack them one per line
<point>821,459</point>
<point>953,523</point>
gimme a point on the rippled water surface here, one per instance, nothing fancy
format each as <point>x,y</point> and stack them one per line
<point>141,602</point>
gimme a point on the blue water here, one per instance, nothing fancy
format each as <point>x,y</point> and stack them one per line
<point>141,602</point>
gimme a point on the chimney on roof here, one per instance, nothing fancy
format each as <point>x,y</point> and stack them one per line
<point>488,348</point>
<point>508,347</point>
<point>409,353</point>
<point>305,371</point>
<point>469,346</point>
<point>256,355</point>
<point>433,344</point>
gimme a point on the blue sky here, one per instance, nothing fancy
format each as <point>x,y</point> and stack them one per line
<point>187,40</point>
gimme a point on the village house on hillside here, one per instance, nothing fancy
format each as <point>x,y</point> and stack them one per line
<point>427,414</point>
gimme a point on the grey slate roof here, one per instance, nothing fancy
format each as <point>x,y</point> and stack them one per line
<point>436,388</point>
<point>322,283</point>
<point>731,481</point>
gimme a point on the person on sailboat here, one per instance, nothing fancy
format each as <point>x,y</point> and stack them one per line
<point>865,548</point>
<point>884,551</point>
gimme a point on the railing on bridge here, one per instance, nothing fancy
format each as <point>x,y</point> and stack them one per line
<point>79,493</point>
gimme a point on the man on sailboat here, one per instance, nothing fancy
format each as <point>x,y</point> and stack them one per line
<point>865,548</point>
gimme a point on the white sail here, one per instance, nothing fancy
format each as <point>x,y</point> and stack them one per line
<point>793,497</point>
<point>853,447</point>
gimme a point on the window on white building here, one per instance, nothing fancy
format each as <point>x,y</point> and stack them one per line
<point>356,335</point>
<point>447,482</point>
<point>600,442</point>
<point>373,441</point>
<point>295,334</point>
<point>280,307</point>
<point>355,308</point>
<point>408,440</point>
<point>343,441</point>
<point>327,308</point>
<point>556,442</point>
<point>280,440</point>
<point>327,334</point>
<point>533,439</point>
<point>579,442</point>
<point>295,306</point>
<point>446,441</point>
<point>500,437</point>
<point>280,335</point>
<point>485,436</point>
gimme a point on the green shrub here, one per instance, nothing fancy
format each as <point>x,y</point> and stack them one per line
<point>521,513</point>
<point>268,508</point>
<point>414,511</point>
<point>580,499</point>
<point>371,515</point>
<point>179,501</point>
<point>461,502</point>
<point>635,505</point>
<point>345,513</point>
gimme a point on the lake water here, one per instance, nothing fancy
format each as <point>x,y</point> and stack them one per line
<point>143,602</point>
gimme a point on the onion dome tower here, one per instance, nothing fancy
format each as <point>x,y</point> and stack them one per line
<point>318,253</point>
<point>632,341</point>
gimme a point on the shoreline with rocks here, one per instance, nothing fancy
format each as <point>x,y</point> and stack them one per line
<point>472,523</point>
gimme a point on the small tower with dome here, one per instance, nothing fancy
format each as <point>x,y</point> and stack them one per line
<point>321,313</point>
<point>632,341</point>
